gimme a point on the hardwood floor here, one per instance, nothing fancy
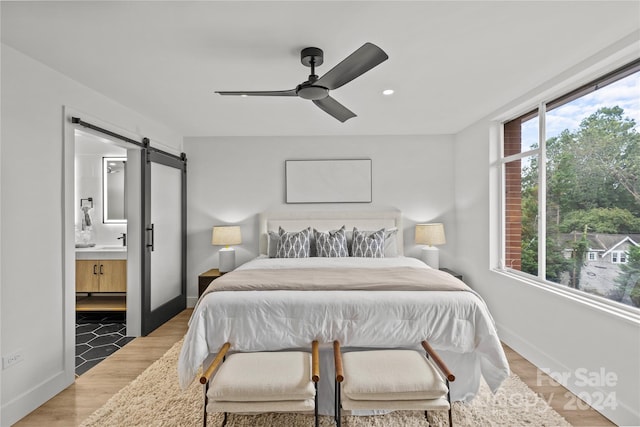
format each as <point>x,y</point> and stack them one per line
<point>562,400</point>
<point>92,389</point>
<point>95,387</point>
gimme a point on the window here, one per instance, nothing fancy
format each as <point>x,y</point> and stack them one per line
<point>619,257</point>
<point>570,171</point>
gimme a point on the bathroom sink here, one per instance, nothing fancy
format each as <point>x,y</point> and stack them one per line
<point>102,252</point>
<point>111,247</point>
<point>91,247</point>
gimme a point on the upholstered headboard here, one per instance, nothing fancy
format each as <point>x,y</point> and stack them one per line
<point>330,220</point>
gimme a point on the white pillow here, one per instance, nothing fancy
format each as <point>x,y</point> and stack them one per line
<point>272,243</point>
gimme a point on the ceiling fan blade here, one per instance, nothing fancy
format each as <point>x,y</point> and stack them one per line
<point>334,108</point>
<point>291,92</point>
<point>359,62</point>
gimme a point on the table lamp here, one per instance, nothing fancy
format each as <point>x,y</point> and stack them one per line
<point>225,236</point>
<point>430,235</point>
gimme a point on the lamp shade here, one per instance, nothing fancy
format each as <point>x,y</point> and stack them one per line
<point>430,234</point>
<point>226,235</point>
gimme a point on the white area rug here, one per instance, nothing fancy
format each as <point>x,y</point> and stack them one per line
<point>155,399</point>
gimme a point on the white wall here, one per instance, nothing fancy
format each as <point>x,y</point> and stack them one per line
<point>35,303</point>
<point>232,180</point>
<point>553,331</point>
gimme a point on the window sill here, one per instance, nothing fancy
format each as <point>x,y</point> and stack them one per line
<point>594,302</point>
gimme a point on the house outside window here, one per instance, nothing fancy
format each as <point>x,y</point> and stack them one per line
<point>618,257</point>
<point>585,198</point>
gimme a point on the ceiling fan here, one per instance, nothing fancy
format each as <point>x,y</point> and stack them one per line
<point>317,89</point>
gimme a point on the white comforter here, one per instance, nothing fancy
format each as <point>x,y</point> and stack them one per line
<point>457,324</point>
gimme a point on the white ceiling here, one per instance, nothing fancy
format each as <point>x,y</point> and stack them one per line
<point>450,63</point>
<point>89,144</point>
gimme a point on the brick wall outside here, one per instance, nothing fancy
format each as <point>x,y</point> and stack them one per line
<point>513,196</point>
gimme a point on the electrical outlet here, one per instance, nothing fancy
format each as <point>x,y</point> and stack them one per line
<point>11,359</point>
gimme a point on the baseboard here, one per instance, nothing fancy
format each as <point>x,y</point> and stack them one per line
<point>21,406</point>
<point>623,415</point>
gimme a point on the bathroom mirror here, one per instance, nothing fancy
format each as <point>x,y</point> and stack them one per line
<point>113,188</point>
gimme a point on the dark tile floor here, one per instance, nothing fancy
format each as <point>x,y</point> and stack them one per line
<point>98,335</point>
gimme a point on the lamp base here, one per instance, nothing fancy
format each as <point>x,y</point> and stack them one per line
<point>227,260</point>
<point>430,256</point>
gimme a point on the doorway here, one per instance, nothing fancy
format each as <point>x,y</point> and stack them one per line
<point>101,179</point>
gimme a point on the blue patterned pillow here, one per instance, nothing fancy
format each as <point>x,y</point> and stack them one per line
<point>368,245</point>
<point>293,245</point>
<point>332,244</point>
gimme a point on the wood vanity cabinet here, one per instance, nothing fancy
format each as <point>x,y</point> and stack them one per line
<point>101,275</point>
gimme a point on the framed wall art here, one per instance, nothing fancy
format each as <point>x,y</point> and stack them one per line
<point>328,181</point>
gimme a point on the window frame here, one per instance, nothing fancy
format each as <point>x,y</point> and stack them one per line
<point>619,257</point>
<point>540,110</point>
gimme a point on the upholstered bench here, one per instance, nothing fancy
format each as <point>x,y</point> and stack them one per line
<point>262,382</point>
<point>391,380</point>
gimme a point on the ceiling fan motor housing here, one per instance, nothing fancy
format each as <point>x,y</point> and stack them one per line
<point>308,91</point>
<point>311,53</point>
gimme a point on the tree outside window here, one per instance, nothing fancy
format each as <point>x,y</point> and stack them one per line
<point>590,188</point>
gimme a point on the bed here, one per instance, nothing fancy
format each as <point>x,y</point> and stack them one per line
<point>271,304</point>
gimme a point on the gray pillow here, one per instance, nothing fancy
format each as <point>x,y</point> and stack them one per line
<point>293,244</point>
<point>368,245</point>
<point>331,244</point>
<point>390,241</point>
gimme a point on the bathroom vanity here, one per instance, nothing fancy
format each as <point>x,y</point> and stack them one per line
<point>101,278</point>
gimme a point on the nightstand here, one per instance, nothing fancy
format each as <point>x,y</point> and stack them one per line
<point>206,278</point>
<point>451,272</point>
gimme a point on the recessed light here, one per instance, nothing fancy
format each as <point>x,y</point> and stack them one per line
<point>244,96</point>
<point>387,92</point>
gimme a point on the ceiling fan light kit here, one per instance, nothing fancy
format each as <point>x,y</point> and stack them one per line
<point>317,89</point>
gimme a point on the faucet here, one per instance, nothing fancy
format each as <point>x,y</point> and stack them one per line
<point>124,239</point>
